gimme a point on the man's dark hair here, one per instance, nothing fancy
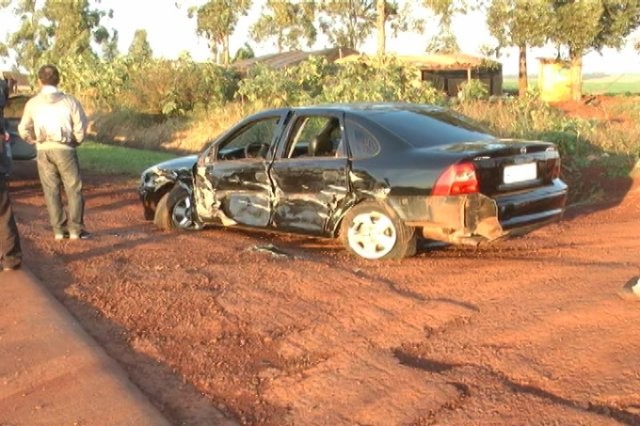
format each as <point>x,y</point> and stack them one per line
<point>49,75</point>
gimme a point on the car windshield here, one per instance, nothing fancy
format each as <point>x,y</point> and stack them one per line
<point>424,128</point>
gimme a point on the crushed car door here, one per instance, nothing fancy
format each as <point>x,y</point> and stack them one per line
<point>232,185</point>
<point>310,173</point>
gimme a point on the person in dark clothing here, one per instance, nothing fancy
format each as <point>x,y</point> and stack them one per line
<point>10,252</point>
<point>4,94</point>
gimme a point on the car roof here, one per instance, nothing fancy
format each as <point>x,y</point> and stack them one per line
<point>364,108</point>
<point>372,108</point>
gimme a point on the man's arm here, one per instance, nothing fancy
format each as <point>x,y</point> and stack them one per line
<point>79,121</point>
<point>25,128</point>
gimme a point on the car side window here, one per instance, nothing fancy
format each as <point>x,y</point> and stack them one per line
<point>252,141</point>
<point>361,142</point>
<point>315,136</point>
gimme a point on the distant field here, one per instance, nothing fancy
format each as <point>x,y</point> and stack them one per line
<point>612,84</point>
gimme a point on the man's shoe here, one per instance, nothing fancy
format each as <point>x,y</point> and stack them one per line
<point>61,236</point>
<point>11,268</point>
<point>83,235</point>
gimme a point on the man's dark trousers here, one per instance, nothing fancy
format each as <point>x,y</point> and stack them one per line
<point>10,253</point>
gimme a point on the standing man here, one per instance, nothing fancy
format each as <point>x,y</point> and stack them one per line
<point>10,253</point>
<point>56,123</point>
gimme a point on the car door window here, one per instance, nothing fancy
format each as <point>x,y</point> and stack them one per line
<point>252,141</point>
<point>315,136</point>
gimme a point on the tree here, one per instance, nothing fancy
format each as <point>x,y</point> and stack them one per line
<point>381,19</point>
<point>73,26</point>
<point>446,9</point>
<point>140,50</point>
<point>581,26</point>
<point>444,42</point>
<point>520,23</point>
<point>216,21</point>
<point>347,23</point>
<point>55,29</point>
<point>289,22</point>
<point>110,48</point>
<point>31,39</point>
<point>389,13</point>
<point>245,52</point>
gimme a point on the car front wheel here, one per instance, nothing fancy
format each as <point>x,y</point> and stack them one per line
<point>175,211</point>
<point>371,231</point>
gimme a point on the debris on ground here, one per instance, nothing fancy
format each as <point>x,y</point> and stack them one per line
<point>269,248</point>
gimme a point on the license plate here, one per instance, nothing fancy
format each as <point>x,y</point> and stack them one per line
<point>520,173</point>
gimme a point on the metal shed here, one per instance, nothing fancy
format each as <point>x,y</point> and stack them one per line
<point>447,72</point>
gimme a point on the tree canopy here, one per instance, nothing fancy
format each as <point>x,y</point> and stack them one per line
<point>55,29</point>
<point>140,50</point>
<point>290,23</point>
<point>216,21</point>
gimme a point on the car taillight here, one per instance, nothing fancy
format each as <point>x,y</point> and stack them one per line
<point>458,179</point>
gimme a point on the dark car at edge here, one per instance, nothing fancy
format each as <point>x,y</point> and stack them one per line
<point>377,176</point>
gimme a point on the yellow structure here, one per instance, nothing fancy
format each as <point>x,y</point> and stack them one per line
<point>554,80</point>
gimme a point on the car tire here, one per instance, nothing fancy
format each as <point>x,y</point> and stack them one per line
<point>175,211</point>
<point>373,232</point>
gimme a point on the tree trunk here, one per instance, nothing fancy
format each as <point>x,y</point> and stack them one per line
<point>381,18</point>
<point>214,53</point>
<point>576,75</point>
<point>523,83</point>
<point>225,50</point>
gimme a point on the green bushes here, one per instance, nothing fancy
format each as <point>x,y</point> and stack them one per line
<point>151,87</point>
<point>473,90</point>
<point>384,80</point>
<point>180,87</point>
<point>317,81</point>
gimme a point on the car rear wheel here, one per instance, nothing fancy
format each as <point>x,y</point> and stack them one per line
<point>371,231</point>
<point>175,211</point>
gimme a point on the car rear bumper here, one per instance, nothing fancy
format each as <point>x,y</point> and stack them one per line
<point>531,207</point>
<point>476,218</point>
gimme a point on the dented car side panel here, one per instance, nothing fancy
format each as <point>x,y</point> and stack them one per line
<point>237,191</point>
<point>241,191</point>
<point>309,190</point>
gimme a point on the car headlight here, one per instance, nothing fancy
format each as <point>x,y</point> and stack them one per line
<point>148,178</point>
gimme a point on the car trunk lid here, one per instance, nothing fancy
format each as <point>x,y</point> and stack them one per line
<point>508,165</point>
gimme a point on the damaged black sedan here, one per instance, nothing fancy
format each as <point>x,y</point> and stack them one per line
<point>377,176</point>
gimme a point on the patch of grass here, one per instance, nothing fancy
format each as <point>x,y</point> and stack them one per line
<point>110,159</point>
<point>611,84</point>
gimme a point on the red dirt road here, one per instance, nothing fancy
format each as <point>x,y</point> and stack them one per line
<point>528,331</point>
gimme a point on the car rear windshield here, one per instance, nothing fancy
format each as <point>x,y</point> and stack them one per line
<point>428,128</point>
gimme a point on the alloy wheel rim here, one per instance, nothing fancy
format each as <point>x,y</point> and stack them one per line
<point>182,213</point>
<point>372,235</point>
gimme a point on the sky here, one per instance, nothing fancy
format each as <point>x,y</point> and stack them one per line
<point>171,32</point>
